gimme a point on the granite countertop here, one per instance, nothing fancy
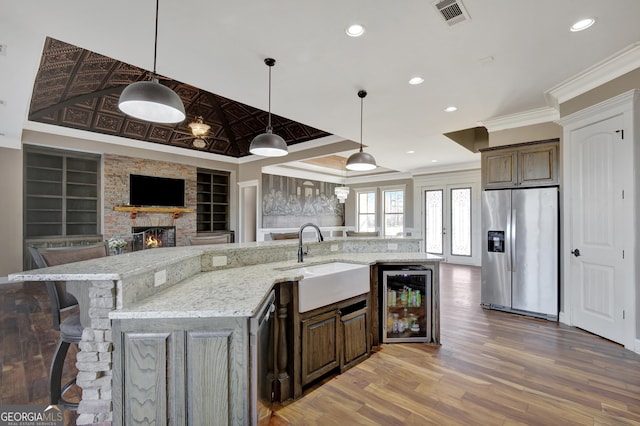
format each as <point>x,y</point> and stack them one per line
<point>234,291</point>
<point>131,264</point>
<point>110,267</point>
<point>239,292</point>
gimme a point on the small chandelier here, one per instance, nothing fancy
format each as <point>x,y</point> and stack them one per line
<point>199,128</point>
<point>361,161</point>
<point>342,192</point>
<point>150,100</point>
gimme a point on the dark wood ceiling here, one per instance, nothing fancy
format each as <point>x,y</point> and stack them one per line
<point>80,89</point>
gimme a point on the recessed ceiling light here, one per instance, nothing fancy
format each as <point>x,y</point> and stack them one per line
<point>411,151</point>
<point>434,161</point>
<point>583,24</point>
<point>355,30</point>
<point>450,108</point>
<point>416,80</point>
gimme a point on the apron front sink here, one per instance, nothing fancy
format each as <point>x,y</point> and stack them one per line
<point>331,282</point>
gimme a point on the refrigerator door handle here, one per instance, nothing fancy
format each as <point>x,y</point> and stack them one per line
<point>514,265</point>
<point>507,241</point>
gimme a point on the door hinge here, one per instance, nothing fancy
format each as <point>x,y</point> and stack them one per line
<point>621,131</point>
<point>623,194</point>
<point>623,314</point>
<point>623,254</point>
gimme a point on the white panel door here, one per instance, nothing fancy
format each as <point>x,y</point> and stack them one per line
<point>600,165</point>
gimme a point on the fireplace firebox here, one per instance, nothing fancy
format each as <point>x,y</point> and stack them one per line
<point>146,237</point>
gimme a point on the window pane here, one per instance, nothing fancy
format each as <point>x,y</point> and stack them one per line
<point>367,223</point>
<point>461,222</point>
<point>394,201</point>
<point>367,202</point>
<point>433,221</point>
<point>366,211</point>
<point>393,213</point>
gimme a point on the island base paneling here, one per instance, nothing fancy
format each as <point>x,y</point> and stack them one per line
<point>167,371</point>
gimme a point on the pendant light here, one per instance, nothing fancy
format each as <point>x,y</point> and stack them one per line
<point>361,161</point>
<point>269,144</point>
<point>150,100</point>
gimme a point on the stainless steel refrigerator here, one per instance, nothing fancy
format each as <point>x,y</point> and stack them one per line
<point>520,252</point>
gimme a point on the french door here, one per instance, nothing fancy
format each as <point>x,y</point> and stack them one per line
<point>448,222</point>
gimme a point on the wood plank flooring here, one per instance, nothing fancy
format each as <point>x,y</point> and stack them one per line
<point>493,368</point>
<point>27,344</point>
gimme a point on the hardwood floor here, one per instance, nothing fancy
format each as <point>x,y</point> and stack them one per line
<point>493,368</point>
<point>28,342</point>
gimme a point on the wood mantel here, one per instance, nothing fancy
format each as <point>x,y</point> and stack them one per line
<point>175,211</point>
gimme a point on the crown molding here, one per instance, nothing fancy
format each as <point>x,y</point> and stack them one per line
<point>281,170</point>
<point>117,140</point>
<point>616,105</point>
<point>614,66</point>
<point>526,118</point>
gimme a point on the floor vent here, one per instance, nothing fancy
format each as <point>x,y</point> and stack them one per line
<point>452,11</point>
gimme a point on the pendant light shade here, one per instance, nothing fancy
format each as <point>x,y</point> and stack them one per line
<point>149,100</point>
<point>269,144</point>
<point>361,161</point>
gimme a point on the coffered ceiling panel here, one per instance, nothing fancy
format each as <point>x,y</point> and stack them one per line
<point>79,89</point>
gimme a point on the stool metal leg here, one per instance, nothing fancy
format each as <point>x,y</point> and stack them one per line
<point>56,388</point>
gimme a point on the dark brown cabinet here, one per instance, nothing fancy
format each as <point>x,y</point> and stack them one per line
<point>524,165</point>
<point>320,348</point>
<point>212,201</point>
<point>334,337</point>
<point>355,342</point>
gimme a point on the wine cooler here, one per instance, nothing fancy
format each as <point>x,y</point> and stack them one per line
<point>406,315</point>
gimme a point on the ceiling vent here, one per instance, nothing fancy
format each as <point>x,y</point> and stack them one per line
<point>452,11</point>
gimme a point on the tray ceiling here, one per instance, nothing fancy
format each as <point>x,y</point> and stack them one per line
<point>79,89</point>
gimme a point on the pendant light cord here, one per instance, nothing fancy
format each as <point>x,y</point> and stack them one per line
<point>155,43</point>
<point>361,114</point>
<point>269,123</point>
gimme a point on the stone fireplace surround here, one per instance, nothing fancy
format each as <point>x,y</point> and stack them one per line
<point>116,170</point>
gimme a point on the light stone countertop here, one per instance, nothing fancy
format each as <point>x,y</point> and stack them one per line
<point>239,292</point>
<point>131,264</point>
<point>111,267</point>
<point>226,292</point>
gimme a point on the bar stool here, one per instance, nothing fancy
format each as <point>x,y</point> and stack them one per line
<point>62,302</point>
<point>204,240</point>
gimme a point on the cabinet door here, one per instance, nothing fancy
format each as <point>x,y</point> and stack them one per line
<point>320,348</point>
<point>355,338</point>
<point>180,372</point>
<point>538,165</point>
<point>499,169</point>
<point>146,384</point>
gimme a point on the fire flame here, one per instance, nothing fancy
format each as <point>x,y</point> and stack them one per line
<point>153,242</point>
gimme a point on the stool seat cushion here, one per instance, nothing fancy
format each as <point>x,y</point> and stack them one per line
<point>70,327</point>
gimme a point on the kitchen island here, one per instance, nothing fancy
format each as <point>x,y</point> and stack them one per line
<point>188,306</point>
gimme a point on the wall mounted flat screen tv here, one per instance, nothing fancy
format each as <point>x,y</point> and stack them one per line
<point>155,191</point>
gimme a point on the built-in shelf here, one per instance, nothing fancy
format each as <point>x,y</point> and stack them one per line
<point>175,211</point>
